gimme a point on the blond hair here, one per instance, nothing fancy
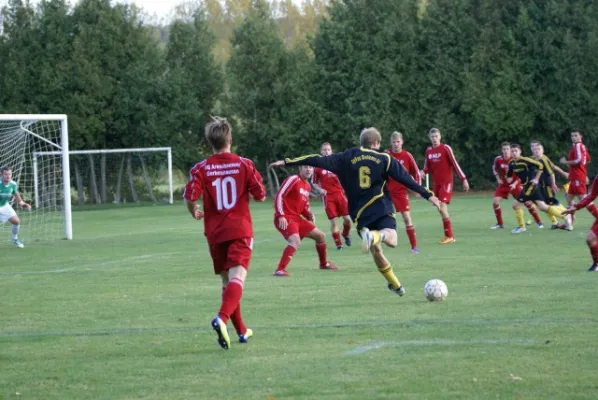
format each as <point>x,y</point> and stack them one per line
<point>218,133</point>
<point>434,130</point>
<point>369,136</point>
<point>396,135</point>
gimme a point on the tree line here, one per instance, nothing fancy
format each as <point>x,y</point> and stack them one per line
<point>481,71</point>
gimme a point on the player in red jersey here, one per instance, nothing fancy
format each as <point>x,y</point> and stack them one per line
<point>504,188</point>
<point>225,181</point>
<point>592,237</point>
<point>578,171</point>
<point>398,192</point>
<point>294,219</point>
<point>440,162</point>
<point>335,201</point>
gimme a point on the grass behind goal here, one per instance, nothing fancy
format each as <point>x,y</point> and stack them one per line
<point>123,311</point>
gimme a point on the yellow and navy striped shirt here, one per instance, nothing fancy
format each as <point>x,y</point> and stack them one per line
<point>525,168</point>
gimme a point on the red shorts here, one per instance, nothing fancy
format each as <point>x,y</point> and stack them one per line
<point>577,188</point>
<point>336,205</point>
<point>230,254</point>
<point>299,226</point>
<point>504,191</point>
<point>401,201</point>
<point>444,192</point>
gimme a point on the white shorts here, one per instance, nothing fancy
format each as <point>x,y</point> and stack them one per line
<point>6,213</point>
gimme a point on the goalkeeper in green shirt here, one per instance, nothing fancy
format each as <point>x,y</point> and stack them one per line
<point>8,190</point>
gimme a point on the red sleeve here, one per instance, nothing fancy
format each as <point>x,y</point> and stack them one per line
<point>425,162</point>
<point>414,170</point>
<point>590,197</point>
<point>307,212</point>
<point>456,167</point>
<point>194,188</point>
<point>495,167</point>
<point>255,181</point>
<point>577,154</point>
<point>317,178</point>
<point>285,189</point>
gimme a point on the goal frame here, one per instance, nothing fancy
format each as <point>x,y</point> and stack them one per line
<point>63,150</point>
<point>168,151</point>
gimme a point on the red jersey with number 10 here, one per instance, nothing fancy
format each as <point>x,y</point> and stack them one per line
<point>580,157</point>
<point>328,180</point>
<point>440,163</point>
<point>225,180</point>
<point>408,162</point>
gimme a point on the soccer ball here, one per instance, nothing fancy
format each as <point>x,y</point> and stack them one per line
<point>435,290</point>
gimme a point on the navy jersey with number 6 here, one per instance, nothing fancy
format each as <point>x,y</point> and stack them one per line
<point>363,173</point>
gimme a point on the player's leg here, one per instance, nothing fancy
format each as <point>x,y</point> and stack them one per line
<point>555,211</point>
<point>14,228</point>
<point>347,228</point>
<point>497,213</point>
<point>531,208</point>
<point>592,241</point>
<point>517,207</point>
<point>384,230</point>
<point>320,239</point>
<point>231,298</point>
<point>446,224</point>
<point>410,230</point>
<point>336,235</point>
<point>294,241</point>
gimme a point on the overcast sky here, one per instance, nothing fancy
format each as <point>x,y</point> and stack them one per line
<point>159,8</point>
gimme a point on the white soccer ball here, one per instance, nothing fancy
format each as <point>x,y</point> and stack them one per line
<point>435,290</point>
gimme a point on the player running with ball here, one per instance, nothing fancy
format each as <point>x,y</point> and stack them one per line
<point>225,181</point>
<point>8,190</point>
<point>364,172</point>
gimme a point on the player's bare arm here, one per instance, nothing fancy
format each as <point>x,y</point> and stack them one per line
<point>194,210</point>
<point>21,202</point>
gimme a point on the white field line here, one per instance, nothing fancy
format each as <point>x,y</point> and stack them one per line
<point>434,342</point>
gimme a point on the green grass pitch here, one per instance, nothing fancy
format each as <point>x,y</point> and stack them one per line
<point>123,312</point>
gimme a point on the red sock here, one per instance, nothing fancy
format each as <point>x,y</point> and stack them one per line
<point>498,213</point>
<point>593,210</point>
<point>237,321</point>
<point>230,299</point>
<point>532,210</point>
<point>346,228</point>
<point>411,235</point>
<point>287,254</point>
<point>321,248</point>
<point>594,252</point>
<point>337,238</point>
<point>448,229</point>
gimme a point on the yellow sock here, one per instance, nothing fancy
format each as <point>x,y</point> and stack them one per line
<point>390,276</point>
<point>377,237</point>
<point>553,220</point>
<point>519,217</point>
<point>555,211</point>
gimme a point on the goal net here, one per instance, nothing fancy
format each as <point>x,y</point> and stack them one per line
<point>115,176</point>
<point>21,136</point>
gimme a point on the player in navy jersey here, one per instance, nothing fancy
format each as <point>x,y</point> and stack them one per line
<point>364,173</point>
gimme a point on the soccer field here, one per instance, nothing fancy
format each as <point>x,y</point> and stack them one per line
<point>123,312</point>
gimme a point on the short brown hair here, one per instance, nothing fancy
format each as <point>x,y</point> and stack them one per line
<point>433,130</point>
<point>325,144</point>
<point>515,146</point>
<point>369,136</point>
<point>535,142</point>
<point>218,133</point>
<point>4,169</point>
<point>396,135</point>
<point>503,144</point>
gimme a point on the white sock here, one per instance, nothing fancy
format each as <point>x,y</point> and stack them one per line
<point>15,231</point>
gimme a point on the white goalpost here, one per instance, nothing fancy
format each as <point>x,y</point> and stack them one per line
<point>115,188</point>
<point>21,136</point>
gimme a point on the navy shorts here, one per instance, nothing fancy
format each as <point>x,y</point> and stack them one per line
<point>384,222</point>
